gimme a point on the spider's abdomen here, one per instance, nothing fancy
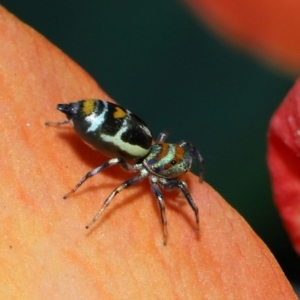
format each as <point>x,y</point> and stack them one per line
<point>109,128</point>
<point>167,160</point>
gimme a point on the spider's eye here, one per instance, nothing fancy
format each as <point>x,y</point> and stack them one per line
<point>173,162</point>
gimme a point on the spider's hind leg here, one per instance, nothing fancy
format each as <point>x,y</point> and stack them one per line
<point>57,123</point>
<point>126,184</point>
<point>109,163</point>
<point>161,137</point>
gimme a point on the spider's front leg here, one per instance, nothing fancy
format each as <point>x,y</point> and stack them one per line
<point>170,184</point>
<point>193,152</point>
<point>160,198</point>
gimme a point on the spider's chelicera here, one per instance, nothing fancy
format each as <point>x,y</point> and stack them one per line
<point>116,132</point>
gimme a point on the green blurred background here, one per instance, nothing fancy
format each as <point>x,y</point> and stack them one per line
<point>209,93</point>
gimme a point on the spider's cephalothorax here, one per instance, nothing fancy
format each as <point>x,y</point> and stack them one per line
<point>120,134</point>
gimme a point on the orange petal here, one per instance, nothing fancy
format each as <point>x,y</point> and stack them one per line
<point>268,28</point>
<point>46,251</point>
